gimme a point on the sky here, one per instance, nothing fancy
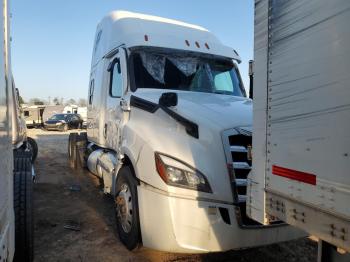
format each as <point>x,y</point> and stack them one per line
<point>52,40</point>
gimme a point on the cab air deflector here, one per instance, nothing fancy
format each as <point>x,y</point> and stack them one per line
<point>191,127</point>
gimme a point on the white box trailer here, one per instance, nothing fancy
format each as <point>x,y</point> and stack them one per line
<point>33,115</point>
<point>301,138</point>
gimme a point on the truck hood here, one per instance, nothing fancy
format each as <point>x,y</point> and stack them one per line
<point>222,111</point>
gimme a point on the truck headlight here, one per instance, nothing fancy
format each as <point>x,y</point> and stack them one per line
<point>176,173</point>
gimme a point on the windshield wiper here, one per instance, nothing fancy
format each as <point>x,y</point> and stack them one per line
<point>223,92</point>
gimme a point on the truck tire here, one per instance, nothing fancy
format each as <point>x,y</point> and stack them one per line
<point>65,128</point>
<point>72,149</point>
<point>126,207</point>
<point>33,147</point>
<point>81,147</point>
<point>23,203</point>
<point>83,136</point>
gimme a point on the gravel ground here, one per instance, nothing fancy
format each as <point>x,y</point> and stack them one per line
<point>55,205</point>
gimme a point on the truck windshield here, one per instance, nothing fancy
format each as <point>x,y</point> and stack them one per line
<point>186,73</point>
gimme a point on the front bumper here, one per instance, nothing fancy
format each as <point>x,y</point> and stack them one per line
<point>54,127</point>
<point>182,225</point>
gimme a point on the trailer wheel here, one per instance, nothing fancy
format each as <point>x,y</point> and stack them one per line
<point>33,146</point>
<point>126,206</point>
<point>23,202</point>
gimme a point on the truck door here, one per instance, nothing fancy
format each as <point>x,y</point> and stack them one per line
<point>117,88</point>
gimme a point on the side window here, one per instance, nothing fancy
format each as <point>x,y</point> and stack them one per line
<point>116,84</point>
<point>26,113</point>
<point>223,82</point>
<point>91,91</point>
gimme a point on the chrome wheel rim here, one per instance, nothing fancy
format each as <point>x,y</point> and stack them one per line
<point>124,208</point>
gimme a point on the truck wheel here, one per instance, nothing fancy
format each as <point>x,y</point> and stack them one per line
<point>83,136</point>
<point>23,202</point>
<point>81,146</point>
<point>72,149</point>
<point>126,206</point>
<point>33,146</point>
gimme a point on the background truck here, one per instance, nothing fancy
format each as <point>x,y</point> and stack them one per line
<point>16,156</point>
<point>301,115</point>
<point>169,134</point>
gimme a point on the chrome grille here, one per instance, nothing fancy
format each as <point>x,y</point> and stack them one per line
<point>239,144</point>
<point>236,144</point>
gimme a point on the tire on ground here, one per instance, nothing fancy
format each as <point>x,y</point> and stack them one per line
<point>72,149</point>
<point>23,206</point>
<point>34,148</point>
<point>65,128</point>
<point>83,136</point>
<point>81,146</point>
<point>132,239</point>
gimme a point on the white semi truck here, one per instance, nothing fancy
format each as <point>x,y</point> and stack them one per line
<point>301,121</point>
<point>169,133</point>
<point>16,157</point>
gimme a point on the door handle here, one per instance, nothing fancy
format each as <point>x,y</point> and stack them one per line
<point>124,105</point>
<point>105,131</point>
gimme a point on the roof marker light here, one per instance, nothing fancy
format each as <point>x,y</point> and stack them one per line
<point>197,44</point>
<point>207,46</point>
<point>146,38</point>
<point>187,42</point>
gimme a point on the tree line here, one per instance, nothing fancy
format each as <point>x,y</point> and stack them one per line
<point>55,101</point>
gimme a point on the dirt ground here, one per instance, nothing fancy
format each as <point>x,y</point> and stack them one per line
<point>55,206</point>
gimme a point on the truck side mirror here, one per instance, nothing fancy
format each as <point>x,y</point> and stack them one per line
<point>251,78</point>
<point>168,99</point>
